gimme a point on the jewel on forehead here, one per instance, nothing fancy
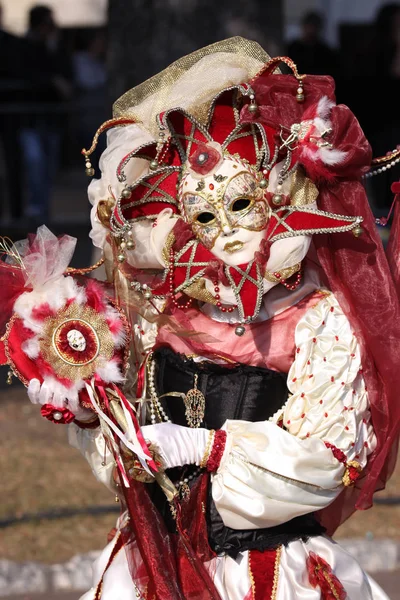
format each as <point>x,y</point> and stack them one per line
<point>204,159</point>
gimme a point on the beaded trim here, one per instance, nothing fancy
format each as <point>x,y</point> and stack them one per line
<point>217,451</point>
<point>387,162</point>
<point>209,447</point>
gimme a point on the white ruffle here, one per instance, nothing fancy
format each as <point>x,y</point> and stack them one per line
<point>120,142</point>
<point>269,475</point>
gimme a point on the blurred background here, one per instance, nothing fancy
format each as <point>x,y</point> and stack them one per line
<point>62,64</point>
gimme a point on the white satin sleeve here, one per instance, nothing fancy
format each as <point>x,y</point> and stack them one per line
<point>91,443</point>
<point>273,471</point>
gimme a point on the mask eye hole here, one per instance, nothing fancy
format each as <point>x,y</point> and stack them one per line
<point>240,204</point>
<point>205,218</point>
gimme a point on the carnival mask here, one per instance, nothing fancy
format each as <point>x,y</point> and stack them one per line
<point>225,207</point>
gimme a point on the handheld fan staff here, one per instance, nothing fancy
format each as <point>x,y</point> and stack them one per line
<point>68,342</point>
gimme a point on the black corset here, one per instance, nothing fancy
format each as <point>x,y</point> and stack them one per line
<point>239,392</point>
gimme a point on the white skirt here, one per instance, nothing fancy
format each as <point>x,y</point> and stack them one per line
<point>232,580</point>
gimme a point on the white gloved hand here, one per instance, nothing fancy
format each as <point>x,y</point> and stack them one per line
<point>177,445</point>
<point>40,393</point>
<point>44,394</point>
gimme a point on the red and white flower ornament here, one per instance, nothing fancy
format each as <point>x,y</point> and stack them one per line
<point>62,334</point>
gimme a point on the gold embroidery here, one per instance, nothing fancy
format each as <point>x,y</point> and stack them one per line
<point>276,573</point>
<point>169,242</point>
<point>284,274</point>
<point>199,291</point>
<point>346,479</point>
<point>302,190</point>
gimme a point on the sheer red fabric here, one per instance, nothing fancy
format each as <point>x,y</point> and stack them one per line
<point>357,272</point>
<point>168,566</point>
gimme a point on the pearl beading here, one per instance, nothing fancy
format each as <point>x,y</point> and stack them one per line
<point>384,168</point>
<point>156,408</point>
<point>157,412</point>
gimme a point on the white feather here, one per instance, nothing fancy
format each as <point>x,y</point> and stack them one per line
<point>331,156</point>
<point>324,107</point>
<point>31,347</point>
<point>322,124</point>
<point>55,293</point>
<point>310,153</point>
<point>119,338</point>
<point>110,372</point>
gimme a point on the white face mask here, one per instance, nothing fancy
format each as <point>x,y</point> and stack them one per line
<point>226,210</point>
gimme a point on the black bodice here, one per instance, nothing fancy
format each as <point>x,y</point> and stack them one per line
<point>239,392</point>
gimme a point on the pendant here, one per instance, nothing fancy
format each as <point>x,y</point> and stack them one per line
<point>195,404</point>
<point>240,330</point>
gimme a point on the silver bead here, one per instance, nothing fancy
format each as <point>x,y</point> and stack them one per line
<point>153,165</point>
<point>240,330</point>
<point>357,231</point>
<point>130,244</point>
<point>253,109</point>
<point>121,258</point>
<point>57,415</point>
<point>263,183</point>
<point>277,199</point>
<point>89,172</point>
<point>126,193</point>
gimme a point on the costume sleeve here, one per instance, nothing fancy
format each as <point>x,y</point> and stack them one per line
<point>90,442</point>
<point>293,464</point>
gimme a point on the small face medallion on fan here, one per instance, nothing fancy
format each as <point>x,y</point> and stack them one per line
<point>76,340</point>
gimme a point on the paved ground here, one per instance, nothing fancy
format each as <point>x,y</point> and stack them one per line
<point>389,581</point>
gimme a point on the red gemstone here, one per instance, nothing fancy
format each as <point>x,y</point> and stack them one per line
<point>211,186</point>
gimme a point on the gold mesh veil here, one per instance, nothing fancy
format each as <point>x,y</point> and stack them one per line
<point>192,81</point>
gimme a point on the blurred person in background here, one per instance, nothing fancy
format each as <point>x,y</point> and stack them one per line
<point>310,52</point>
<point>387,41</point>
<point>12,85</point>
<point>50,72</point>
<point>90,79</point>
<point>382,79</point>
